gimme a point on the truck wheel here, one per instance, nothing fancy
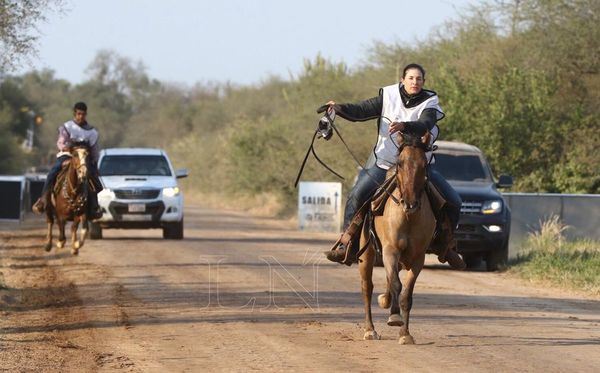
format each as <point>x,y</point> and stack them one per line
<point>173,231</point>
<point>95,231</point>
<point>497,258</point>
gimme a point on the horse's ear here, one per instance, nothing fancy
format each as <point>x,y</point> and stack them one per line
<point>426,137</point>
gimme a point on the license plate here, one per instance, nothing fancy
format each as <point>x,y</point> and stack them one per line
<point>136,207</point>
<point>137,217</point>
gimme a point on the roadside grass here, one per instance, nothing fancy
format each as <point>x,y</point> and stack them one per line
<point>548,257</point>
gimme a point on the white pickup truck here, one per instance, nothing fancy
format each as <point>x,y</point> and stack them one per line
<point>140,191</point>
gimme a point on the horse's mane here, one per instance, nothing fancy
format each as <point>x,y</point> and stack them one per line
<point>409,139</point>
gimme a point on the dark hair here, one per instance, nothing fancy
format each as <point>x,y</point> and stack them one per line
<point>413,66</point>
<point>80,106</point>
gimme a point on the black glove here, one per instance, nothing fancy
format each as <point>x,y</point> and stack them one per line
<point>325,128</point>
<point>326,123</point>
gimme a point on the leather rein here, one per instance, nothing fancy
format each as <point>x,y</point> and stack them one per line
<point>311,149</point>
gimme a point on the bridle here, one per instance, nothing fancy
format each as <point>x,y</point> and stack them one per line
<point>412,141</point>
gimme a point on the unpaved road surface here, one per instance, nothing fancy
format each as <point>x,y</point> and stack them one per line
<point>243,293</point>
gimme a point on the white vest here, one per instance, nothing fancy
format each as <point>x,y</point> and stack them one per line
<point>386,149</point>
<point>77,133</point>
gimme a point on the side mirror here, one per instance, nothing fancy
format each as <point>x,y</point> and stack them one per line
<point>505,181</point>
<point>181,173</point>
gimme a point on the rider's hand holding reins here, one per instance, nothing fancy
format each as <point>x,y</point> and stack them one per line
<point>396,127</point>
<point>325,128</point>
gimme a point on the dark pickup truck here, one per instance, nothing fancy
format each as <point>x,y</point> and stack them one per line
<point>484,225</point>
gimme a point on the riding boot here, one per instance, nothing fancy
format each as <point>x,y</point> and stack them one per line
<point>445,247</point>
<point>94,211</point>
<point>345,249</point>
<point>40,205</point>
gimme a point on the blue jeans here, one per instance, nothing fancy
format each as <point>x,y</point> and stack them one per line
<point>51,178</point>
<point>367,183</point>
<point>369,180</point>
<point>453,200</point>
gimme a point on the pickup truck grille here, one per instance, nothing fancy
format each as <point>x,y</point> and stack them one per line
<point>137,193</point>
<point>471,207</point>
<point>466,228</point>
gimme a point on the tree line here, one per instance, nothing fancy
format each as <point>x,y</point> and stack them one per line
<point>518,79</point>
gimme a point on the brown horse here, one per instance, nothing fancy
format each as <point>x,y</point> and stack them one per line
<point>405,231</point>
<point>69,200</point>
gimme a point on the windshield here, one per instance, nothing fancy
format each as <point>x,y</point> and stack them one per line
<point>460,167</point>
<point>137,165</point>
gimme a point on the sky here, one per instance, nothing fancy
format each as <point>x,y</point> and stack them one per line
<point>239,41</point>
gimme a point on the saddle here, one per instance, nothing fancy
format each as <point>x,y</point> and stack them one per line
<point>382,194</point>
<point>62,175</point>
<point>94,183</point>
<point>377,207</point>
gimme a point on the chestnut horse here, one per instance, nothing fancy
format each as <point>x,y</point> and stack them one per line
<point>405,231</point>
<point>69,200</point>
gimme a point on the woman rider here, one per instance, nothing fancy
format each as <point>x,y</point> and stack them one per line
<point>411,109</point>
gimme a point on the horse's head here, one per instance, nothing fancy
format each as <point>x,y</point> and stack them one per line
<point>79,153</point>
<point>412,170</point>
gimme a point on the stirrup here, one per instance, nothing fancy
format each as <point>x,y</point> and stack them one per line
<point>342,253</point>
<point>39,206</point>
<point>455,261</point>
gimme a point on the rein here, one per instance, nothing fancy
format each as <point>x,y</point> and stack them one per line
<point>322,133</point>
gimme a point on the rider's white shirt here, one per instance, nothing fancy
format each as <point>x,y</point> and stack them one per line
<point>386,149</point>
<point>79,134</point>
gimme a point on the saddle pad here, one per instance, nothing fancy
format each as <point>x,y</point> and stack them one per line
<point>383,193</point>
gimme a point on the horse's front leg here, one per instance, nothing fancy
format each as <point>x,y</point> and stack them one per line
<point>407,298</point>
<point>366,274</point>
<point>84,229</point>
<point>50,223</point>
<point>61,232</point>
<point>391,256</point>
<point>75,244</point>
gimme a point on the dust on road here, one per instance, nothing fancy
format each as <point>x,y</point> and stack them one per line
<point>246,293</point>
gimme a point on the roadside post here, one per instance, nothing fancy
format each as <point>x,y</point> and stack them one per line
<point>320,206</point>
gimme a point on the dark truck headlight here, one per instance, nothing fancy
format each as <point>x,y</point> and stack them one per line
<point>491,207</point>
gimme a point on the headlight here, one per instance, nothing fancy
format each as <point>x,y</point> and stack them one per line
<point>491,207</point>
<point>170,192</point>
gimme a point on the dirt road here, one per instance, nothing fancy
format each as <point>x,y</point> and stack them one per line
<point>254,294</point>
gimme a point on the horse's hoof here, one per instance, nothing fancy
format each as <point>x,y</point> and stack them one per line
<point>76,245</point>
<point>384,301</point>
<point>75,251</point>
<point>60,244</point>
<point>395,320</point>
<point>406,340</point>
<point>48,247</point>
<point>371,335</point>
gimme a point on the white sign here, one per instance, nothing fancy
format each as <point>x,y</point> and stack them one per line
<point>320,206</point>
